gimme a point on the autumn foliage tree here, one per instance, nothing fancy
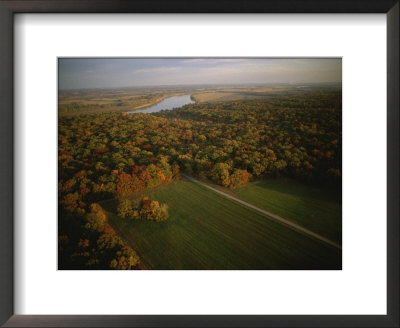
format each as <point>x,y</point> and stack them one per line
<point>126,209</point>
<point>152,210</point>
<point>220,174</point>
<point>146,209</point>
<point>239,178</point>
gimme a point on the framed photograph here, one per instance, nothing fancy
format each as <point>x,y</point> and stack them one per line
<point>197,164</point>
<point>193,176</point>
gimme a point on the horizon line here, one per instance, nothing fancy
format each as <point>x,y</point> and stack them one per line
<point>201,84</point>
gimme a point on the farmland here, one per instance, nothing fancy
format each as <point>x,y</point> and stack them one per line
<point>314,208</point>
<point>208,231</point>
<point>240,93</point>
<point>78,102</point>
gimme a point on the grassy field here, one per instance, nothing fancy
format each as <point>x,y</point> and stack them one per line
<point>313,208</point>
<point>240,93</point>
<point>236,94</point>
<point>208,231</point>
<point>108,105</point>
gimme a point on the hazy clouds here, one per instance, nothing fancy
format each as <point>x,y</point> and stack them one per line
<point>77,73</point>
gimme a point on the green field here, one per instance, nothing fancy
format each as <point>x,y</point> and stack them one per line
<point>313,208</point>
<point>207,231</point>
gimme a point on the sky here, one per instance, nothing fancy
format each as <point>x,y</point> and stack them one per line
<point>82,73</point>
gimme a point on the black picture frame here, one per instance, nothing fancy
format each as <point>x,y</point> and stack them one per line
<point>10,7</point>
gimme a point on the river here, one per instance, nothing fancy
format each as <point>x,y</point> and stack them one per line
<point>167,103</point>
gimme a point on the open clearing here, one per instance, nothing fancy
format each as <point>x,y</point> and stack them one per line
<point>241,93</point>
<point>217,96</point>
<point>311,207</point>
<point>208,231</point>
<point>290,223</point>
